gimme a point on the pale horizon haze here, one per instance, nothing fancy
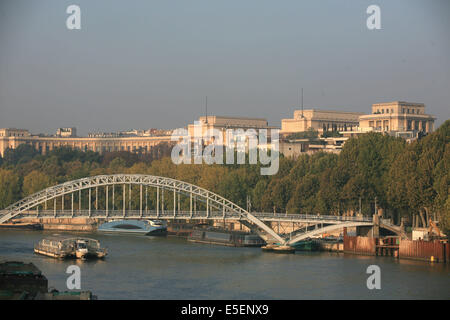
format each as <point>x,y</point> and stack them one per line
<point>150,64</point>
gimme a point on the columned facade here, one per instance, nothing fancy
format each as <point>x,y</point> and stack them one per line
<point>46,144</point>
<point>398,116</point>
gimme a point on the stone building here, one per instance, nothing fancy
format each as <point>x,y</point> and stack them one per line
<point>12,138</point>
<point>320,120</point>
<point>397,116</point>
<point>229,123</point>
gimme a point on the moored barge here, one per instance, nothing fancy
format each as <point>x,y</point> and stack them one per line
<point>21,226</point>
<point>225,238</point>
<point>64,247</point>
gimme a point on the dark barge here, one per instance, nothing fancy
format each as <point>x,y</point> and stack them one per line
<point>225,237</point>
<point>21,226</point>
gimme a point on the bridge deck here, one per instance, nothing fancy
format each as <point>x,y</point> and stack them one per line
<point>199,215</point>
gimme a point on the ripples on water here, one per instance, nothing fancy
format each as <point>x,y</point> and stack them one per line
<point>140,267</point>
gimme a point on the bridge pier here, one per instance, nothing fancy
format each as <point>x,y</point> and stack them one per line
<point>376,226</point>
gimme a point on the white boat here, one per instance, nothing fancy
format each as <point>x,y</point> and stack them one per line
<point>145,227</point>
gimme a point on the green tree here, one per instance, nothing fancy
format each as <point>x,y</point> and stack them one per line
<point>35,181</point>
<point>23,153</point>
<point>9,187</point>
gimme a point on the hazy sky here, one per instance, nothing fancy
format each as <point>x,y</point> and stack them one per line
<point>144,64</point>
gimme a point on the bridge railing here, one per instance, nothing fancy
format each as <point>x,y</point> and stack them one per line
<point>187,215</point>
<point>311,217</point>
<point>128,214</point>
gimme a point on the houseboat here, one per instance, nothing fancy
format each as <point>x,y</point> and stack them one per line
<point>225,237</point>
<point>144,227</point>
<point>65,247</point>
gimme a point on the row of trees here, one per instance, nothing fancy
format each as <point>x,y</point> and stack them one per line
<point>404,180</point>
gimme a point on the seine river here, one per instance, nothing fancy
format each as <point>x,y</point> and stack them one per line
<point>169,268</point>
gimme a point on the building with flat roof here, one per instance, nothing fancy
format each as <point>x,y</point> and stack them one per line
<point>222,124</point>
<point>397,117</point>
<point>13,132</point>
<point>12,138</point>
<point>320,120</point>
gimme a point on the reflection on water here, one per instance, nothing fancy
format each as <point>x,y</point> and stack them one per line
<point>140,267</point>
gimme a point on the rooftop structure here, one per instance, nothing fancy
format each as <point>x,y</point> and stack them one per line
<point>320,120</point>
<point>223,124</point>
<point>66,132</point>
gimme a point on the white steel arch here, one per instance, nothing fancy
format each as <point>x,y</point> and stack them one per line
<point>178,186</point>
<point>332,227</point>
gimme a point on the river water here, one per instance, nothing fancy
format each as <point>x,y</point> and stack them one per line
<point>140,267</point>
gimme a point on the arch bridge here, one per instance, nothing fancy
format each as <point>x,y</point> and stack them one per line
<point>84,199</point>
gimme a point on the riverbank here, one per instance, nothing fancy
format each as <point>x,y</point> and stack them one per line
<point>63,224</point>
<point>397,248</point>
